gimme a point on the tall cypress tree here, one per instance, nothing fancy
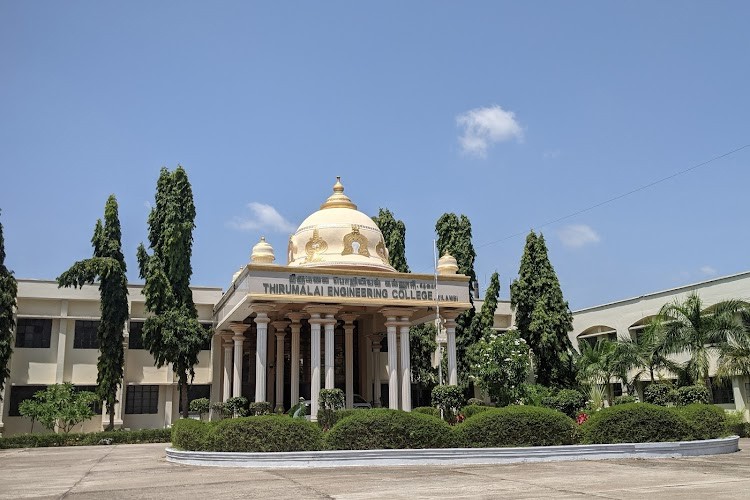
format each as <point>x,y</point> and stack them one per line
<point>421,337</point>
<point>8,293</point>
<point>394,233</point>
<point>543,317</point>
<point>108,266</point>
<point>486,317</point>
<point>454,237</point>
<point>172,334</point>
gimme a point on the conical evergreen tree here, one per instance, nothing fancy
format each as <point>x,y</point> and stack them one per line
<point>543,317</point>
<point>454,237</point>
<point>8,293</point>
<point>172,334</point>
<point>108,266</point>
<point>484,321</point>
<point>394,233</point>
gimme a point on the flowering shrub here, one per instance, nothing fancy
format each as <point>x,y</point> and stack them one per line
<point>581,418</point>
<point>499,365</point>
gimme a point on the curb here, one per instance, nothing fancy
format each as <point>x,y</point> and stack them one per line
<point>453,456</point>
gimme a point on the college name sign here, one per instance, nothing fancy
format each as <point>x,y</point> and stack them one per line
<point>333,286</point>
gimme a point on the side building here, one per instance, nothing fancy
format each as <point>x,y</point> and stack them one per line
<point>56,342</point>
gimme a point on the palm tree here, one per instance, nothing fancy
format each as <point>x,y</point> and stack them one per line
<point>734,353</point>
<point>690,327</point>
<point>594,366</point>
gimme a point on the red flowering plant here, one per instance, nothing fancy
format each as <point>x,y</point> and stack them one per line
<point>581,418</point>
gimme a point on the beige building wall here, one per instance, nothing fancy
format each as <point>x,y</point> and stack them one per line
<point>61,362</point>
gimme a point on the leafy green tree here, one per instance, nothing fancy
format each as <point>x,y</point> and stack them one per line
<point>594,366</point>
<point>454,238</point>
<point>421,337</point>
<point>394,233</point>
<point>172,333</point>
<point>692,328</point>
<point>59,406</point>
<point>108,266</point>
<point>499,365</point>
<point>543,317</point>
<point>8,293</point>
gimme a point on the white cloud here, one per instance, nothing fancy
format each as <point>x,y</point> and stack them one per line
<point>263,217</point>
<point>577,235</point>
<point>483,127</point>
<point>708,271</point>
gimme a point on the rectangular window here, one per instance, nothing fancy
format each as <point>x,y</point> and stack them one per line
<point>85,335</point>
<point>142,399</point>
<point>135,339</point>
<point>19,394</point>
<point>33,333</point>
<point>723,392</point>
<point>617,390</point>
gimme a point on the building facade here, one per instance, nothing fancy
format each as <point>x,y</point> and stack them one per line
<point>337,315</point>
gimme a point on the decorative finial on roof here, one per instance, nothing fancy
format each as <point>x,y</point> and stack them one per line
<point>338,199</point>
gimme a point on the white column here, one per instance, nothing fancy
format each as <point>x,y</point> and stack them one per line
<point>261,355</point>
<point>227,344</point>
<point>450,330</point>
<point>349,357</point>
<point>61,343</point>
<point>280,327</point>
<point>376,339</point>
<point>330,324</point>
<point>405,365</point>
<point>239,339</point>
<point>391,327</point>
<point>315,327</point>
<point>295,317</point>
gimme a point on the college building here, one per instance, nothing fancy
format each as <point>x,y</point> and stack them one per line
<point>336,315</point>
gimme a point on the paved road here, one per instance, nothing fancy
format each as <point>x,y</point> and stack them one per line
<point>141,471</point>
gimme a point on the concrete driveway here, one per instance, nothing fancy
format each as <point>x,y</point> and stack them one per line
<point>141,471</point>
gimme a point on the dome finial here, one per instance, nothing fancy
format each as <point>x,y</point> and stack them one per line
<point>338,199</point>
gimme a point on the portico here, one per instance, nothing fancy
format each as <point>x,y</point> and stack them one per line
<point>325,312</point>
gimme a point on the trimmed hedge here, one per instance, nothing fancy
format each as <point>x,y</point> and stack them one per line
<point>659,394</point>
<point>625,399</point>
<point>329,418</point>
<point>691,394</point>
<point>248,434</point>
<point>427,410</point>
<point>86,439</point>
<point>517,426</point>
<point>471,410</point>
<point>389,429</point>
<point>706,421</point>
<point>635,423</point>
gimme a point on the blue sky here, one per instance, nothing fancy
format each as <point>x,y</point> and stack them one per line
<point>514,114</point>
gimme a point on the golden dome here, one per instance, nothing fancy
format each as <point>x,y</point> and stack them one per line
<point>338,235</point>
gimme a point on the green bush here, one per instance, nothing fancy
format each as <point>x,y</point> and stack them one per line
<point>517,426</point>
<point>532,394</point>
<point>635,423</point>
<point>659,394</point>
<point>260,408</point>
<point>625,400</point>
<point>189,434</point>
<point>567,401</point>
<point>389,429</point>
<point>200,406</point>
<point>448,398</point>
<point>86,439</point>
<point>691,394</point>
<point>249,434</point>
<point>236,406</point>
<point>736,425</point>
<point>329,418</point>
<point>471,410</point>
<point>706,421</point>
<point>427,410</point>
<point>476,402</point>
